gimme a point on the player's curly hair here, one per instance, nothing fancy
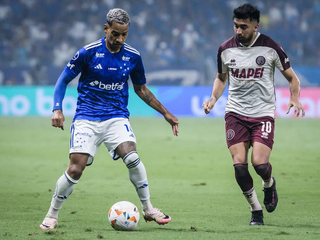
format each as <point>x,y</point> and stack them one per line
<point>118,15</point>
<point>247,11</point>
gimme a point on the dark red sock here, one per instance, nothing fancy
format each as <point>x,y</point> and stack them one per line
<point>264,171</point>
<point>243,176</point>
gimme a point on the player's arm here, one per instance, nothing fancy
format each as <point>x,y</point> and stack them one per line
<point>294,86</point>
<point>57,118</point>
<point>219,85</point>
<point>147,96</point>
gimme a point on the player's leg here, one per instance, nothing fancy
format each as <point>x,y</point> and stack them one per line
<point>260,160</point>
<point>121,142</point>
<point>138,177</point>
<point>239,153</point>
<point>64,188</point>
<point>82,149</point>
<point>238,137</point>
<point>137,172</point>
<point>262,138</point>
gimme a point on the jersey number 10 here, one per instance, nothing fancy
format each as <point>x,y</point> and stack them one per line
<point>266,126</point>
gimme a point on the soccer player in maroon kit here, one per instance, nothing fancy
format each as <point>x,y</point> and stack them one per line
<point>248,61</point>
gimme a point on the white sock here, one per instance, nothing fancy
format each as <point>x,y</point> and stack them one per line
<point>64,188</point>
<point>146,205</point>
<point>267,184</point>
<point>138,177</point>
<point>252,199</point>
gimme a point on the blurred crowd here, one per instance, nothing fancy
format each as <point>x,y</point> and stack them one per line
<point>38,37</point>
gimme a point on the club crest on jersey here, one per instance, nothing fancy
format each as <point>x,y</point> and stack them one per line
<point>260,60</point>
<point>230,134</point>
<point>124,58</point>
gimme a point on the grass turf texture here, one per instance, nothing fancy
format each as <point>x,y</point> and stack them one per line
<point>191,178</point>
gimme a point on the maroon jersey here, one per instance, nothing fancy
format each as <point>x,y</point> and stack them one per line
<point>251,74</point>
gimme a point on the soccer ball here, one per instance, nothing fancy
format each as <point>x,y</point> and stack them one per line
<point>124,216</point>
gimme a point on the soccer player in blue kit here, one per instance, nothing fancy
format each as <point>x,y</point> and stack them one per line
<point>102,115</point>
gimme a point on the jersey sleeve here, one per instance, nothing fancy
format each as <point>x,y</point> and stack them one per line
<point>138,75</point>
<point>222,68</point>
<point>77,63</point>
<point>60,90</point>
<point>282,61</point>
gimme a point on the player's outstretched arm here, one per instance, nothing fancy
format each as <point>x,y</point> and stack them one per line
<point>219,85</point>
<point>294,86</point>
<point>147,96</point>
<point>57,118</point>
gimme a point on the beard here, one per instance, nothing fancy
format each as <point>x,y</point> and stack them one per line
<point>244,40</point>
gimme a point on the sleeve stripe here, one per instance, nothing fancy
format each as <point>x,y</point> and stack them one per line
<point>130,50</point>
<point>93,43</point>
<point>93,46</point>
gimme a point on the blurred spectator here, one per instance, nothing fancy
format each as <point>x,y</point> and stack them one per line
<point>169,33</point>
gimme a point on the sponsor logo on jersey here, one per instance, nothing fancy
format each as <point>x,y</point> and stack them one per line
<point>124,58</point>
<point>112,86</point>
<point>112,69</point>
<point>69,65</point>
<point>98,66</point>
<point>247,72</point>
<point>260,60</point>
<point>99,55</point>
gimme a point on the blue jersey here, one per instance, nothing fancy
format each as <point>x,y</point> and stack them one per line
<point>103,84</point>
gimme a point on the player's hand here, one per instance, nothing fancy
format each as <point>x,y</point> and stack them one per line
<point>57,119</point>
<point>208,105</point>
<point>298,108</point>
<point>174,122</point>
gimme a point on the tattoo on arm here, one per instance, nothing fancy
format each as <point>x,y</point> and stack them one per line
<point>148,97</point>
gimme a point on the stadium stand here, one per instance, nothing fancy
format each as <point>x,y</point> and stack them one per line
<point>39,37</point>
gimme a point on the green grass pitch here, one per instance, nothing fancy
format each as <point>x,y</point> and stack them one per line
<point>191,178</point>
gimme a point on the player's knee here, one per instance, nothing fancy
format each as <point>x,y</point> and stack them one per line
<point>239,158</point>
<point>131,159</point>
<point>241,169</point>
<point>264,170</point>
<point>77,164</point>
<point>75,171</point>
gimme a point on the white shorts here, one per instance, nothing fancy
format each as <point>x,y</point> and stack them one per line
<point>86,136</point>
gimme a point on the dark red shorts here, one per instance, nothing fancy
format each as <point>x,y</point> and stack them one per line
<point>242,129</point>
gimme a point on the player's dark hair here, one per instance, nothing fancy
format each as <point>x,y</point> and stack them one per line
<point>118,15</point>
<point>246,11</point>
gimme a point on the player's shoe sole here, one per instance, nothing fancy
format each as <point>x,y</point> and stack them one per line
<point>157,216</point>
<point>256,218</point>
<point>48,223</point>
<point>271,197</point>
